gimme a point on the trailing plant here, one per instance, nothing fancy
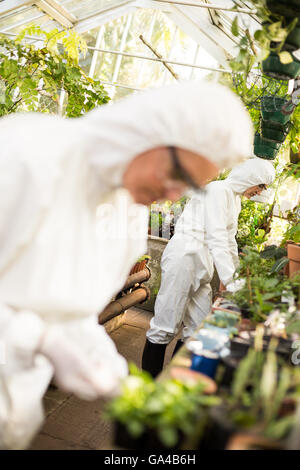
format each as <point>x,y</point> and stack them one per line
<point>270,37</point>
<point>33,79</point>
<point>167,407</point>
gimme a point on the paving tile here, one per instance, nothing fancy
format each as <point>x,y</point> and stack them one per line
<point>76,424</point>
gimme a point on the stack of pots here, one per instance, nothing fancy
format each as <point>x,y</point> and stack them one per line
<point>289,9</point>
<point>276,113</point>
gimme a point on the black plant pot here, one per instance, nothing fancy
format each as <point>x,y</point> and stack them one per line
<point>239,346</point>
<point>290,9</point>
<point>123,439</point>
<point>219,431</point>
<point>245,312</point>
<point>272,67</point>
<point>148,440</point>
<point>284,347</point>
<point>273,131</point>
<point>230,364</point>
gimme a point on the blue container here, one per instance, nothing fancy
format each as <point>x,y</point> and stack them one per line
<point>204,360</point>
<point>206,363</point>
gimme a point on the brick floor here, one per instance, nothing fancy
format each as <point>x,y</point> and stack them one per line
<point>73,424</point>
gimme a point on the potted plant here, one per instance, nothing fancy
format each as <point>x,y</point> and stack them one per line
<point>293,252</point>
<point>291,240</point>
<point>263,288</point>
<point>266,149</point>
<point>224,322</point>
<point>273,67</point>
<point>276,109</point>
<point>274,131</point>
<point>255,402</point>
<point>157,414</point>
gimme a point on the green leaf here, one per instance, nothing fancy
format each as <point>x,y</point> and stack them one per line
<point>235,26</point>
<point>279,265</point>
<point>285,57</point>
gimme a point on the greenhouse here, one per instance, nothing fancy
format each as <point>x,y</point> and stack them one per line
<point>150,227</point>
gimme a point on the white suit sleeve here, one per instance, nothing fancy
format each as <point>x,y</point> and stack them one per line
<point>24,377</point>
<point>216,221</point>
<point>233,247</point>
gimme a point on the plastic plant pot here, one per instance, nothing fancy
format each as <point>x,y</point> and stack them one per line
<point>265,149</point>
<point>265,152</point>
<point>293,250</point>
<point>277,110</point>
<point>271,131</point>
<point>272,67</point>
<point>258,140</point>
<point>293,38</point>
<point>287,8</point>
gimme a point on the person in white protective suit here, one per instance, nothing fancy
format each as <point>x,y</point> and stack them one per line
<point>73,222</point>
<point>204,237</point>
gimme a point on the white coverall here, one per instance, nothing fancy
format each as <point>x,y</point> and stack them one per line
<point>204,237</point>
<point>69,234</point>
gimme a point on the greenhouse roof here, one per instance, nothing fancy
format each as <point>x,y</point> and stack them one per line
<point>208,26</point>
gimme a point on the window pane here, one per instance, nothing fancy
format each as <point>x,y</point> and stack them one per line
<point>83,8</point>
<point>164,37</point>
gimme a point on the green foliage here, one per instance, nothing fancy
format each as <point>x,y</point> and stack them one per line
<point>32,79</point>
<point>260,386</point>
<point>253,224</point>
<point>223,319</point>
<point>270,37</point>
<point>167,407</point>
<point>293,231</point>
<point>163,216</point>
<point>263,288</point>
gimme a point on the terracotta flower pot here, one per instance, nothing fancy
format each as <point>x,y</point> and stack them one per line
<point>293,250</point>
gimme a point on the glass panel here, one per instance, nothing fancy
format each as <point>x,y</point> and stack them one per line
<point>20,16</point>
<point>44,21</point>
<point>163,36</point>
<point>83,8</point>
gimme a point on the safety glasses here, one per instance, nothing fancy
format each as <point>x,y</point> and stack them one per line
<point>179,172</point>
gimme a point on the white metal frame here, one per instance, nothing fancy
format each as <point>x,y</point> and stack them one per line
<point>210,6</point>
<point>162,60</point>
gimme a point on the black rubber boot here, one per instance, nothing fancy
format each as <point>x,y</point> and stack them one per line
<point>177,347</point>
<point>153,357</point>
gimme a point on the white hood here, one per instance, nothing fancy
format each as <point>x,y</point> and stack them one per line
<point>202,117</point>
<point>250,173</point>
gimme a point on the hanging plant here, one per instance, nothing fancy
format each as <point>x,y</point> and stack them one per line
<point>271,37</point>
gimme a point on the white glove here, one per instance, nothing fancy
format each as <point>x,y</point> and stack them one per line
<point>76,370</point>
<point>234,286</point>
